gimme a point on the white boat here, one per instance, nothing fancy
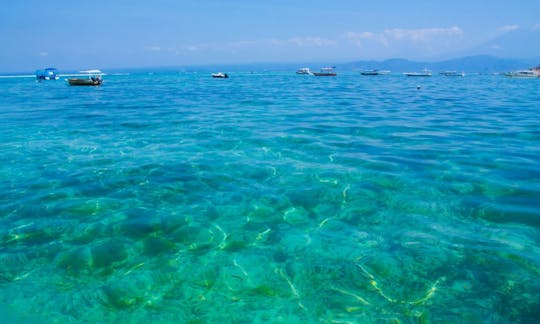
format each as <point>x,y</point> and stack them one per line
<point>424,73</point>
<point>375,72</point>
<point>220,75</point>
<point>87,78</point>
<point>453,73</point>
<point>523,74</point>
<point>327,71</point>
<point>303,71</point>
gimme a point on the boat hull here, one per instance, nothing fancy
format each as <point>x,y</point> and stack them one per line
<point>375,72</point>
<point>418,74</point>
<point>324,74</point>
<point>84,82</point>
<point>517,75</point>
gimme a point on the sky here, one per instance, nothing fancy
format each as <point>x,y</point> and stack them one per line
<point>74,35</point>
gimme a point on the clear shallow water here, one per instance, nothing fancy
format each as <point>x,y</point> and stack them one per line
<point>270,198</point>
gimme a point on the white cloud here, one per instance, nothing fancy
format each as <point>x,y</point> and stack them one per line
<point>358,38</point>
<point>404,35</point>
<point>536,27</point>
<point>43,54</point>
<point>153,48</point>
<point>422,35</point>
<point>508,28</point>
<point>311,41</point>
<point>273,42</point>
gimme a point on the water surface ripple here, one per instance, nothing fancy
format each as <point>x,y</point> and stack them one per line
<point>270,197</point>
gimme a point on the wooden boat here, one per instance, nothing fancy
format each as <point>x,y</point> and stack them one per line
<point>328,71</point>
<point>87,78</point>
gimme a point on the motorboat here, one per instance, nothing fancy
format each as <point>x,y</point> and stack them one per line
<point>375,72</point>
<point>453,73</point>
<point>303,71</point>
<point>220,75</point>
<point>523,74</point>
<point>47,74</point>
<point>87,78</point>
<point>327,71</point>
<point>424,73</point>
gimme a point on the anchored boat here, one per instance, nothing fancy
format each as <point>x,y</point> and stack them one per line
<point>303,71</point>
<point>424,73</point>
<point>327,71</point>
<point>523,74</point>
<point>220,75</point>
<point>375,72</point>
<point>47,74</point>
<point>87,78</point>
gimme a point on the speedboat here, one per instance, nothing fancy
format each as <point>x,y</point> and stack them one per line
<point>424,73</point>
<point>453,73</point>
<point>220,75</point>
<point>327,71</point>
<point>87,78</point>
<point>303,71</point>
<point>523,74</point>
<point>375,72</point>
<point>47,74</point>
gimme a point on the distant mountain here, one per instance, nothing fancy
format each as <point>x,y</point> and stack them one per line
<point>471,64</point>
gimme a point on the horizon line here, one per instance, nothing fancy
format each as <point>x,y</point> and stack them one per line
<point>262,63</point>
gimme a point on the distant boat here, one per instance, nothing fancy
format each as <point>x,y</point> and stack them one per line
<point>424,73</point>
<point>375,72</point>
<point>87,78</point>
<point>327,71</point>
<point>523,74</point>
<point>220,75</point>
<point>303,71</point>
<point>453,73</point>
<point>47,74</point>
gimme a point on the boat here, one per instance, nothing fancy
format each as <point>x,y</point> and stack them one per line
<point>327,71</point>
<point>375,72</point>
<point>220,75</point>
<point>87,78</point>
<point>303,71</point>
<point>47,74</point>
<point>453,73</point>
<point>424,73</point>
<point>523,74</point>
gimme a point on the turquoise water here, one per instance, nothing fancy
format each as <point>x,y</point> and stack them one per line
<point>270,197</point>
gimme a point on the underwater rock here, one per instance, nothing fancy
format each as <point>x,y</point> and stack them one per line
<point>107,253</point>
<point>156,245</point>
<point>76,260</point>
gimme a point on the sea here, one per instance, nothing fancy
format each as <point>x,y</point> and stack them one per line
<point>270,197</point>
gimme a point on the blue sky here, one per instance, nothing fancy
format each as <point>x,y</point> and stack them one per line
<point>119,33</point>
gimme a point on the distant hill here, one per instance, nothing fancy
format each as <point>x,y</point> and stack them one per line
<point>471,64</point>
